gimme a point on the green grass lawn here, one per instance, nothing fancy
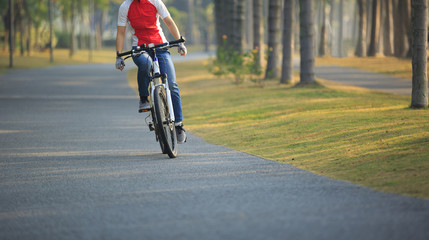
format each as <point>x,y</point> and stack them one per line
<point>369,138</point>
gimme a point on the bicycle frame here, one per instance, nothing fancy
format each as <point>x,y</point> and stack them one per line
<point>156,75</point>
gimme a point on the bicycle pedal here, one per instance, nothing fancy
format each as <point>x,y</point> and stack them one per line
<point>144,110</point>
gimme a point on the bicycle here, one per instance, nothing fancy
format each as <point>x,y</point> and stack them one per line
<point>161,110</point>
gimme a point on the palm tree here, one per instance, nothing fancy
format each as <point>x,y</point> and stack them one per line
<point>274,12</point>
<point>190,38</point>
<point>29,23</point>
<point>11,34</point>
<point>323,32</point>
<point>307,74</point>
<point>239,33</point>
<point>402,24</point>
<point>258,31</point>
<point>340,32</point>
<point>419,96</point>
<point>81,35</point>
<point>388,28</point>
<point>91,33</point>
<point>72,29</point>
<point>375,29</point>
<point>287,64</point>
<point>218,21</point>
<point>361,43</point>
<point>51,19</point>
<point>223,9</point>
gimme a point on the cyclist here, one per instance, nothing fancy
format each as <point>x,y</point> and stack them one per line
<point>143,17</point>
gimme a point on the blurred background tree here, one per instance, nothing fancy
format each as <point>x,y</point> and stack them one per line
<point>342,27</point>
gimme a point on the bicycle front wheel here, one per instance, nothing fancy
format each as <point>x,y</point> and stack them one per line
<point>165,126</point>
<point>161,144</point>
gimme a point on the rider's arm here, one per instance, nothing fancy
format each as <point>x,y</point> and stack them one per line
<point>173,29</point>
<point>120,38</point>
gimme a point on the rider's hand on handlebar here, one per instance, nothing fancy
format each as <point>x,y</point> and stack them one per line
<point>120,63</point>
<point>182,49</point>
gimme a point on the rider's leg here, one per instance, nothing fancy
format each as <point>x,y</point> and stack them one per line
<point>144,64</point>
<point>166,66</point>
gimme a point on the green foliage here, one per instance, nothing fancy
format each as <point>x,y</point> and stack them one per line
<point>63,39</point>
<point>103,4</point>
<point>241,65</point>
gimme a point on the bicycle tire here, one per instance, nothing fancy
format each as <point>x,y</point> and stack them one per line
<point>165,127</point>
<point>161,144</point>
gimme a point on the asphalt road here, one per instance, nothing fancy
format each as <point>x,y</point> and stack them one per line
<point>361,78</point>
<point>78,162</point>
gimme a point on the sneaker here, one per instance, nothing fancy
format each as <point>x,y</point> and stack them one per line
<point>144,106</point>
<point>181,133</point>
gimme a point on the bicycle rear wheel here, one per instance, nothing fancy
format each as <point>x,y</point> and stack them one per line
<point>165,126</point>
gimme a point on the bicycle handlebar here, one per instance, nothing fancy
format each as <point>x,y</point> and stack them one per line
<point>143,47</point>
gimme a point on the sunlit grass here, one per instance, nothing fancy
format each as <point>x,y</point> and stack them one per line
<point>61,57</point>
<point>343,132</point>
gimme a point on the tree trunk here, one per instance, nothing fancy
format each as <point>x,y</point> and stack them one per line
<point>400,31</point>
<point>361,43</point>
<point>230,21</point>
<point>375,29</point>
<point>28,39</point>
<point>306,40</point>
<point>82,24</point>
<point>239,30</point>
<point>340,30</point>
<point>72,29</point>
<point>331,24</point>
<point>409,28</point>
<point>16,26</point>
<point>203,25</point>
<point>190,35</point>
<point>6,38</point>
<point>218,22</point>
<point>21,20</point>
<point>6,25</point>
<point>323,32</point>
<point>28,23</point>
<point>101,14</point>
<point>368,22</point>
<point>274,13</point>
<point>249,24</point>
<point>11,32</point>
<point>224,28</point>
<point>64,17</point>
<point>419,94</point>
<point>36,37</point>
<point>258,41</point>
<point>388,28</point>
<point>91,29</point>
<point>51,35</point>
<point>287,64</point>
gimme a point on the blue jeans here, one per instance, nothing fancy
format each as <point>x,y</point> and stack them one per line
<point>144,64</point>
